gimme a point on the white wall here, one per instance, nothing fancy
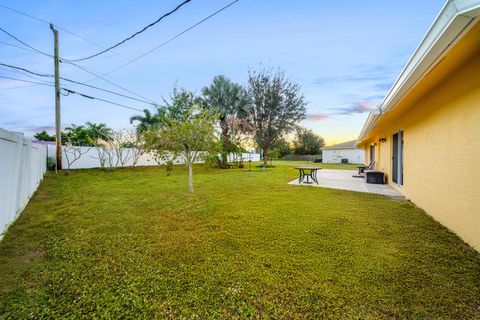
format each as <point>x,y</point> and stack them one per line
<point>22,166</point>
<point>336,156</point>
<point>89,158</point>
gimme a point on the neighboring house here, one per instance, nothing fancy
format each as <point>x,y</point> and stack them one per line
<point>426,135</point>
<point>346,150</point>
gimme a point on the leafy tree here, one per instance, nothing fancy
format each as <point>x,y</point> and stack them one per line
<point>148,119</point>
<point>232,103</point>
<point>277,108</point>
<point>283,146</point>
<point>307,142</point>
<point>44,136</point>
<point>188,131</point>
<point>78,135</point>
<point>90,134</point>
<point>99,131</point>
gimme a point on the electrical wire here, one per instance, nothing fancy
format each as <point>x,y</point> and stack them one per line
<point>172,38</point>
<point>26,70</point>
<point>61,28</point>
<point>19,47</point>
<point>106,80</point>
<point>135,34</point>
<point>83,68</point>
<point>28,81</point>
<point>76,92</point>
<point>73,81</point>
<point>130,60</point>
<point>20,87</point>
<point>100,99</point>
<point>24,43</point>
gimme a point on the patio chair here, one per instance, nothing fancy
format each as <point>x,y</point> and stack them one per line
<point>362,169</point>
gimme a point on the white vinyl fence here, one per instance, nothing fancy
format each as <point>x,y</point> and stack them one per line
<point>89,157</point>
<point>22,166</point>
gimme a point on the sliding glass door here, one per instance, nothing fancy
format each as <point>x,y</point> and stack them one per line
<point>397,158</point>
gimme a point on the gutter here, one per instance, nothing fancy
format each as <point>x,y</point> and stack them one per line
<point>453,21</point>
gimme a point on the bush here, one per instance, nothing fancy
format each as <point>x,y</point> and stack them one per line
<point>51,163</point>
<point>213,161</point>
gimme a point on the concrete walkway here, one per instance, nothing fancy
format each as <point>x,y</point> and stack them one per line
<point>342,179</point>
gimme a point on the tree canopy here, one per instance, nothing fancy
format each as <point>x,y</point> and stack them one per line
<point>91,134</point>
<point>278,106</point>
<point>148,119</point>
<point>307,142</point>
<point>44,136</point>
<point>188,131</point>
<point>232,104</point>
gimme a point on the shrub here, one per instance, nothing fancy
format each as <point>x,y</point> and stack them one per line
<point>50,163</point>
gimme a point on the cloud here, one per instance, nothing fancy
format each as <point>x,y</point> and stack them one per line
<point>317,117</point>
<point>39,128</point>
<point>383,86</point>
<point>357,108</point>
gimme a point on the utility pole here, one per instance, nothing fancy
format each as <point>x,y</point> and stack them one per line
<point>58,129</point>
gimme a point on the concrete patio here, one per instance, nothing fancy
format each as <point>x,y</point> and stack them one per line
<point>342,179</point>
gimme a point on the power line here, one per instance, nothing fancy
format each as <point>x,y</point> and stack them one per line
<point>73,81</point>
<point>26,70</point>
<point>100,99</point>
<point>18,47</point>
<point>23,74</point>
<point>24,43</point>
<point>28,81</point>
<point>19,87</point>
<point>61,28</point>
<point>80,67</point>
<point>76,92</point>
<point>171,39</point>
<point>106,80</point>
<point>135,34</point>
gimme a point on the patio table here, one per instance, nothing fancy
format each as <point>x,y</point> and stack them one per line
<point>308,172</point>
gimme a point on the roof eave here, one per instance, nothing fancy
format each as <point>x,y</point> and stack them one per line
<point>454,19</point>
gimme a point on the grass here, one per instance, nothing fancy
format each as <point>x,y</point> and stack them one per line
<point>135,244</point>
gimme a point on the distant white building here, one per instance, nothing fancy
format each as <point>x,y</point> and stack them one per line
<point>346,150</point>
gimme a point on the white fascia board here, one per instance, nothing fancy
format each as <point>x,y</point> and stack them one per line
<point>453,20</point>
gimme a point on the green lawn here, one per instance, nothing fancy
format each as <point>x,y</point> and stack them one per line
<point>135,244</point>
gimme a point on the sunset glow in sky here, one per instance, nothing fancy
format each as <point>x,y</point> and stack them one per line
<point>345,54</point>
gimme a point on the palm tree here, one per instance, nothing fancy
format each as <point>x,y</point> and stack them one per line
<point>76,135</point>
<point>147,120</point>
<point>99,131</point>
<point>230,100</point>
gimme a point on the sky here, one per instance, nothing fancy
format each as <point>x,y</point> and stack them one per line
<point>344,54</point>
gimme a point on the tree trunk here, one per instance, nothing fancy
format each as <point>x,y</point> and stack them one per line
<point>265,157</point>
<point>224,127</point>
<point>190,176</point>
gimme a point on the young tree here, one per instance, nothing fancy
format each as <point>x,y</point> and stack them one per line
<point>307,142</point>
<point>188,131</point>
<point>278,106</point>
<point>134,142</point>
<point>232,103</point>
<point>73,149</point>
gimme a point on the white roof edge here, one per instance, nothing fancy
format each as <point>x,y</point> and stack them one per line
<point>453,20</point>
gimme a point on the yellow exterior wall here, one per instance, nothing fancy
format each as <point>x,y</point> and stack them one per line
<point>441,128</point>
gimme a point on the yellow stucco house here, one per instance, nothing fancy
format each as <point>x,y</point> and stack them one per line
<point>425,135</point>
